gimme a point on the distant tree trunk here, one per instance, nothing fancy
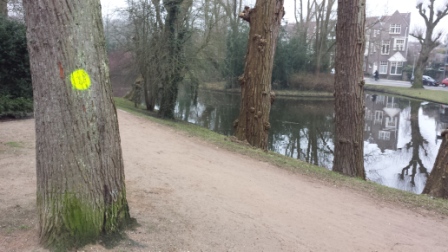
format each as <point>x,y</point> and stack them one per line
<point>4,8</point>
<point>256,97</point>
<point>349,89</point>
<point>437,183</point>
<point>80,177</point>
<point>175,35</point>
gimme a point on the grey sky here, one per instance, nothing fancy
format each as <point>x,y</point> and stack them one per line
<point>374,8</point>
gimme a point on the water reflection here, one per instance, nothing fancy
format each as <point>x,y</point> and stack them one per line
<point>400,135</point>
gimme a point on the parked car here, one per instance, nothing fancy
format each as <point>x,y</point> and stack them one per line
<point>427,80</point>
<point>445,82</point>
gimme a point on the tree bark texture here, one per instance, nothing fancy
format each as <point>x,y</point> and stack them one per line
<point>80,178</point>
<point>175,32</point>
<point>349,89</point>
<point>256,96</point>
<point>437,183</point>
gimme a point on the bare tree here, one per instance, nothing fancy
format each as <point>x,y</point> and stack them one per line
<point>427,39</point>
<point>349,89</point>
<point>324,29</point>
<point>256,97</point>
<point>305,15</point>
<point>80,176</point>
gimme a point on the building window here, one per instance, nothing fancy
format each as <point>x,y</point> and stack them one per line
<point>384,135</point>
<point>378,115</point>
<point>376,33</point>
<point>385,46</point>
<point>372,48</point>
<point>369,115</point>
<point>396,68</point>
<point>383,67</point>
<point>380,99</point>
<point>399,45</point>
<point>395,29</point>
<point>391,123</point>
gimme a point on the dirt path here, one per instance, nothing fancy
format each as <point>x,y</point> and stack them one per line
<point>188,195</point>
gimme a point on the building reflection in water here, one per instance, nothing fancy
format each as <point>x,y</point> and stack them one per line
<point>401,135</point>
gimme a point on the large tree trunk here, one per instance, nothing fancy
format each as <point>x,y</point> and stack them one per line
<point>253,122</point>
<point>80,178</point>
<point>437,183</point>
<point>349,89</point>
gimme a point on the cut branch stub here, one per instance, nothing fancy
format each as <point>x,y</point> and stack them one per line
<point>241,80</point>
<point>235,123</point>
<point>245,14</point>
<point>272,97</point>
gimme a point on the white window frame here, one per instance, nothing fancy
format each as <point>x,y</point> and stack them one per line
<point>399,46</point>
<point>395,66</point>
<point>378,115</point>
<point>395,29</point>
<point>384,135</point>
<point>376,32</point>
<point>383,67</point>
<point>385,47</point>
<point>391,123</point>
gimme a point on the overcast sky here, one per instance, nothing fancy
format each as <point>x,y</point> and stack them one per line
<point>374,8</point>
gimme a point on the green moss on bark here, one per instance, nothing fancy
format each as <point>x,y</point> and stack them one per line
<point>82,222</point>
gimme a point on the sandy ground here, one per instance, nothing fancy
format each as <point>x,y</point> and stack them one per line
<point>188,195</point>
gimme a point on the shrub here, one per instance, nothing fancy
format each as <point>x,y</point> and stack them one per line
<point>15,79</point>
<point>312,82</point>
<point>15,108</point>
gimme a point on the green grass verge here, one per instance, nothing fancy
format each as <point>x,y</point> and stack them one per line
<point>421,94</point>
<point>419,203</point>
<point>14,144</point>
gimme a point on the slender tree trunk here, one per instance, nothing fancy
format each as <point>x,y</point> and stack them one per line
<point>420,65</point>
<point>80,177</point>
<point>256,97</point>
<point>4,8</point>
<point>437,183</point>
<point>349,89</point>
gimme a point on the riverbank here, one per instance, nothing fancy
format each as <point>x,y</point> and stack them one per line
<point>420,94</point>
<point>378,192</point>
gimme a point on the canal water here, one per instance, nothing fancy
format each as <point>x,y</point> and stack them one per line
<point>401,136</point>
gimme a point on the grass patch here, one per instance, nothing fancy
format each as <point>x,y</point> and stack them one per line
<point>14,144</point>
<point>422,94</point>
<point>420,203</point>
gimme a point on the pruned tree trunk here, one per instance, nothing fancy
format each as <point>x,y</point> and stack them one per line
<point>80,177</point>
<point>349,89</point>
<point>437,183</point>
<point>256,96</point>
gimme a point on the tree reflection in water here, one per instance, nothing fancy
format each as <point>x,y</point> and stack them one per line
<point>397,151</point>
<point>416,143</point>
